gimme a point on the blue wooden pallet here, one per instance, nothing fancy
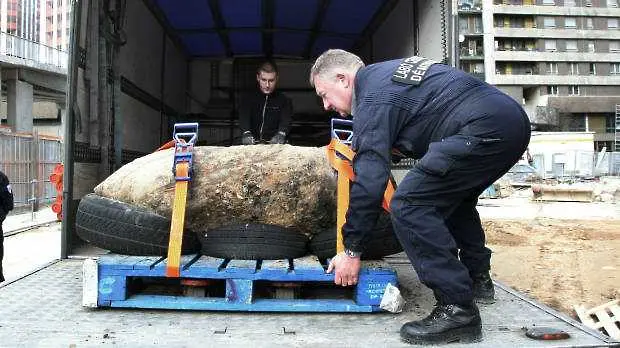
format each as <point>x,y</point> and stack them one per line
<point>115,272</point>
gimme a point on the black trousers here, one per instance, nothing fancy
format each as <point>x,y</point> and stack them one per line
<point>434,207</point>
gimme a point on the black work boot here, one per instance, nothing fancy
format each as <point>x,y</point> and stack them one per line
<point>484,290</point>
<point>445,324</point>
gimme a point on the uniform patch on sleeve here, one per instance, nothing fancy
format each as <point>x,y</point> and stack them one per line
<point>412,70</point>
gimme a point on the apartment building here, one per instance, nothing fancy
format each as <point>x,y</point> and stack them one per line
<point>559,58</point>
<point>43,21</point>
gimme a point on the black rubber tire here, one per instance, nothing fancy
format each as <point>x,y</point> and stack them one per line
<point>381,242</point>
<point>127,229</point>
<point>253,241</point>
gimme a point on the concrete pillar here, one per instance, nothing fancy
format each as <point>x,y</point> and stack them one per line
<point>19,105</point>
<point>488,42</point>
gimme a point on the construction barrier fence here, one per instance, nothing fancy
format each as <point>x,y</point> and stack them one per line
<point>28,160</point>
<point>577,164</point>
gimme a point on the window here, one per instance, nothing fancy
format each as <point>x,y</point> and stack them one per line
<point>571,45</point>
<point>573,90</point>
<point>550,45</point>
<point>552,90</point>
<point>570,22</point>
<point>552,68</point>
<point>589,23</point>
<point>614,46</point>
<point>592,69</point>
<point>614,69</point>
<point>574,123</point>
<point>570,3</point>
<point>612,3</point>
<point>549,22</point>
<point>591,47</point>
<point>548,2</point>
<point>573,68</point>
<point>612,23</point>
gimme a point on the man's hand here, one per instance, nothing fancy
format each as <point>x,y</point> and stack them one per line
<point>247,138</point>
<point>279,138</point>
<point>347,269</point>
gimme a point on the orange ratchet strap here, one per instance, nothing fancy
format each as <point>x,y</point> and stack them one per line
<point>335,150</point>
<point>185,135</point>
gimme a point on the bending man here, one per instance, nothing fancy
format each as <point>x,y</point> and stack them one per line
<point>465,133</point>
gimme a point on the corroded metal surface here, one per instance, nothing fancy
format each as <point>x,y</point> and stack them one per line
<point>284,185</point>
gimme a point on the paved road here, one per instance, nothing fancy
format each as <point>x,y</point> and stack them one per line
<point>31,241</point>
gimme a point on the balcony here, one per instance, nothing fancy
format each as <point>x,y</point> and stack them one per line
<point>538,56</point>
<point>544,80</point>
<point>33,53</point>
<point>557,33</point>
<point>470,6</point>
<point>468,54</point>
<point>465,9</point>
<point>557,10</point>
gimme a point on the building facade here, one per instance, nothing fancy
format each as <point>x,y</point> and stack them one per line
<point>44,21</point>
<point>559,58</point>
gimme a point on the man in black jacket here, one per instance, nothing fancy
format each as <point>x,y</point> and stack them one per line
<point>265,114</point>
<point>6,205</point>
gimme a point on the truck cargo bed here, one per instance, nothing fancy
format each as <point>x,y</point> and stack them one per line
<point>45,309</point>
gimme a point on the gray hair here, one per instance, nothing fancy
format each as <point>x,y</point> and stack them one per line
<point>333,59</point>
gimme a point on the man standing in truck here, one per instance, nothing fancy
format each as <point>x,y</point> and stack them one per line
<point>466,134</point>
<point>6,205</point>
<point>265,114</point>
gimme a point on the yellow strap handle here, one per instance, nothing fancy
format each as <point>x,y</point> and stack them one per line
<point>178,221</point>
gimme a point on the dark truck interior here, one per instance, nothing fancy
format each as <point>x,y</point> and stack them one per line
<point>247,32</point>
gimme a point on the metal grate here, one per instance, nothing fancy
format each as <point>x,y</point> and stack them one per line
<point>83,152</point>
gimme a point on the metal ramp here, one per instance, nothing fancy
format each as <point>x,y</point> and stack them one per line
<point>45,310</point>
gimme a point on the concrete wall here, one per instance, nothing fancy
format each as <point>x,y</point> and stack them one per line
<point>516,92</point>
<point>40,110</point>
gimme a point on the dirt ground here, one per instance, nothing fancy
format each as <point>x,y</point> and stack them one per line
<point>561,263</point>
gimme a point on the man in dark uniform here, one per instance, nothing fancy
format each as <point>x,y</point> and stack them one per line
<point>465,133</point>
<point>6,205</point>
<point>265,114</point>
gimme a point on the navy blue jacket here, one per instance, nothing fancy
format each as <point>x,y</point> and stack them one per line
<point>391,114</point>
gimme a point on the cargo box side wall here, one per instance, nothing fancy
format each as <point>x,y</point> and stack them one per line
<point>125,103</point>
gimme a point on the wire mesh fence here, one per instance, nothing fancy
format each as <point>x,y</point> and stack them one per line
<point>28,161</point>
